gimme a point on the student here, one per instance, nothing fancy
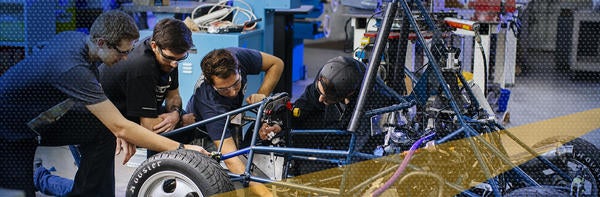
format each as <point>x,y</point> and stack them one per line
<point>221,88</point>
<point>140,85</point>
<point>328,103</point>
<point>56,91</point>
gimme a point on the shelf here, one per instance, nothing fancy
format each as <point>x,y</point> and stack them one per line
<point>35,22</point>
<point>184,7</point>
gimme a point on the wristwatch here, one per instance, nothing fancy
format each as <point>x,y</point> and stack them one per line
<point>180,111</point>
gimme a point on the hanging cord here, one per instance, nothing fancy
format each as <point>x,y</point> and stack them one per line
<point>398,172</point>
<point>348,42</point>
<point>485,66</point>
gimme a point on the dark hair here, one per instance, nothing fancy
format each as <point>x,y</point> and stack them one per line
<point>172,34</point>
<point>341,77</point>
<point>114,26</point>
<point>220,63</point>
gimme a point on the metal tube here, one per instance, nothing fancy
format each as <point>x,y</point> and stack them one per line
<point>433,63</point>
<point>316,131</point>
<point>470,132</point>
<point>375,59</point>
<point>235,153</point>
<point>257,125</point>
<point>236,111</point>
<point>299,151</point>
<point>206,121</point>
<point>390,108</point>
<point>533,153</point>
<point>484,167</point>
<point>309,158</point>
<point>223,134</point>
<point>297,186</point>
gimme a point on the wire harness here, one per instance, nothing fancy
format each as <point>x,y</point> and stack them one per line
<point>216,19</point>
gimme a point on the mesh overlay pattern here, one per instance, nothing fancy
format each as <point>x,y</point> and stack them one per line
<point>554,101</point>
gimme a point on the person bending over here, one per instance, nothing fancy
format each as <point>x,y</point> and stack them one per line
<point>221,88</point>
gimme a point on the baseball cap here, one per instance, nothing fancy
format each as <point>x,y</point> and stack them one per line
<point>341,77</point>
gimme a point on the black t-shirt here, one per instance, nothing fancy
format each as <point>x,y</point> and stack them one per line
<point>316,115</point>
<point>137,86</point>
<point>60,70</point>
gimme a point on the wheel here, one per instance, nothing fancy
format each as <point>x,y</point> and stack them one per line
<point>581,163</point>
<point>536,191</point>
<point>179,173</point>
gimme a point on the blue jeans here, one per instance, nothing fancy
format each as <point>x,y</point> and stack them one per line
<point>50,184</point>
<point>95,175</point>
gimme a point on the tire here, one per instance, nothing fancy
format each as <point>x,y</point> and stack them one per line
<point>205,142</point>
<point>536,192</point>
<point>584,155</point>
<point>179,173</point>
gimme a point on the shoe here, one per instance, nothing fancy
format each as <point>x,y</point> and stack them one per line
<point>37,163</point>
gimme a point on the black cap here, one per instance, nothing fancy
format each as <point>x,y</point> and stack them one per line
<point>341,76</point>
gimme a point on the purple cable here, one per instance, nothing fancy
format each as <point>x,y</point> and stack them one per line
<point>398,172</point>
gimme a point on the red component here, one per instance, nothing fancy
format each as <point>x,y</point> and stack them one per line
<point>371,34</point>
<point>488,10</point>
<point>288,105</point>
<point>394,35</point>
<point>492,5</point>
<point>413,36</point>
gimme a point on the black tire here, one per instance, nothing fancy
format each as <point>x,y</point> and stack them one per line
<point>585,155</point>
<point>179,173</point>
<point>536,192</point>
<point>204,141</point>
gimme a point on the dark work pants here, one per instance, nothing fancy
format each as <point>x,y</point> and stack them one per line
<point>95,176</point>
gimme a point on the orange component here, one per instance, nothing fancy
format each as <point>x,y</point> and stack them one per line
<point>460,23</point>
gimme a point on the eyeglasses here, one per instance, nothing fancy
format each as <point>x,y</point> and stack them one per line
<point>330,98</point>
<point>170,58</point>
<point>236,86</point>
<point>119,50</point>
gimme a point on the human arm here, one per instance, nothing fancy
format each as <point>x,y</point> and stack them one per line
<point>308,100</point>
<point>131,132</point>
<point>267,131</point>
<point>129,149</point>
<point>172,117</point>
<point>273,67</point>
<point>188,119</point>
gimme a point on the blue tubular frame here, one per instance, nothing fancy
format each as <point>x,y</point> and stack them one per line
<point>344,157</point>
<point>465,129</point>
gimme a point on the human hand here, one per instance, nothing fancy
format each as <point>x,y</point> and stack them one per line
<point>255,98</point>
<point>128,149</point>
<point>188,119</point>
<point>267,132</point>
<point>168,123</point>
<point>196,148</point>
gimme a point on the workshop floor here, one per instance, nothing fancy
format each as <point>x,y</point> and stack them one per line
<point>539,94</point>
